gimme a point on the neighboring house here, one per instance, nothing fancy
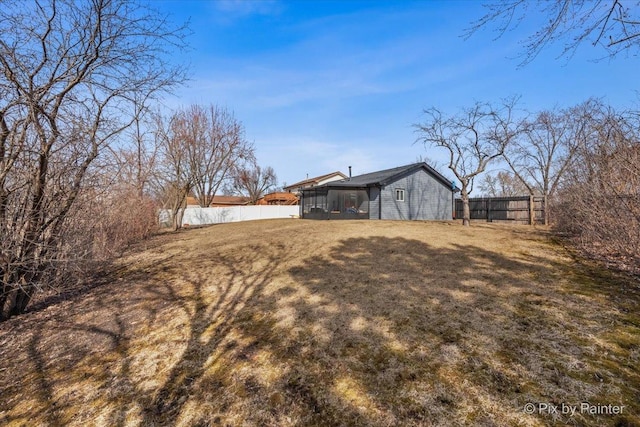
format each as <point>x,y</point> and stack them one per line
<point>278,198</point>
<point>221,201</point>
<point>412,192</point>
<point>313,182</point>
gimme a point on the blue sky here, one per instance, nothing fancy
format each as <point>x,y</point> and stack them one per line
<point>323,85</point>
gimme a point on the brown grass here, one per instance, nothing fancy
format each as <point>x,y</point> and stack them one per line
<point>294,322</point>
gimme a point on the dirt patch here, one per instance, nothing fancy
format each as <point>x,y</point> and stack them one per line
<point>294,322</point>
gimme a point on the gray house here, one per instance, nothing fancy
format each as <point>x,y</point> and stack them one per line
<point>412,192</point>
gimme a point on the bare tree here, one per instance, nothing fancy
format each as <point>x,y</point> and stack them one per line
<point>173,178</point>
<point>254,181</point>
<point>503,184</point>
<point>613,25</point>
<point>215,145</point>
<point>546,146</point>
<point>473,138</point>
<point>199,148</point>
<point>68,72</point>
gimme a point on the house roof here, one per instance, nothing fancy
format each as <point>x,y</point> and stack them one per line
<point>314,181</point>
<point>386,176</point>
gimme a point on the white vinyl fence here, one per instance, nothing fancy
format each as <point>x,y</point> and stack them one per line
<point>194,215</point>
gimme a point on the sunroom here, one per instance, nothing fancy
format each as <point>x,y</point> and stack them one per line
<point>335,203</point>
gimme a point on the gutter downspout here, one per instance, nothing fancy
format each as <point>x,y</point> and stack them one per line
<point>453,205</point>
<point>453,200</point>
<point>380,201</point>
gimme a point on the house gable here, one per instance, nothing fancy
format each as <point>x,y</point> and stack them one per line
<point>423,197</point>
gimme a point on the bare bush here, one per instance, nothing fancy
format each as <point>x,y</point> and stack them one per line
<point>118,219</point>
<point>69,71</point>
<point>599,203</point>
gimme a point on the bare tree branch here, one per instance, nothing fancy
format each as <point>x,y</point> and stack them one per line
<point>254,181</point>
<point>473,138</point>
<point>605,23</point>
<point>67,72</point>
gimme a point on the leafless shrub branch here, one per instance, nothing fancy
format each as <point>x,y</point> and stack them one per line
<point>68,72</point>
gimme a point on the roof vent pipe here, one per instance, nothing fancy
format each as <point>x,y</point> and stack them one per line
<point>349,173</point>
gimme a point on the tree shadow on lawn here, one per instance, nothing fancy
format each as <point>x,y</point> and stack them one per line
<point>94,362</point>
<point>396,332</point>
<point>377,331</point>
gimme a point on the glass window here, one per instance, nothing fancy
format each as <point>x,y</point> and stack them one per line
<point>399,195</point>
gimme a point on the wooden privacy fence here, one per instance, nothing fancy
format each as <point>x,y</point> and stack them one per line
<point>522,209</point>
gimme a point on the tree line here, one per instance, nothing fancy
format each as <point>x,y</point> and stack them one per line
<point>584,160</point>
<point>201,151</point>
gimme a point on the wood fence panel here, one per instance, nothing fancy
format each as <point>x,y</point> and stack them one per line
<point>521,209</point>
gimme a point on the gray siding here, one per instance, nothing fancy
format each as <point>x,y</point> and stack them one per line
<point>374,203</point>
<point>424,198</point>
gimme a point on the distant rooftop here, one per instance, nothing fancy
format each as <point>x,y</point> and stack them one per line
<point>310,182</point>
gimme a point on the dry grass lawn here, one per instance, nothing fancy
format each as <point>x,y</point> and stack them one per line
<point>331,323</point>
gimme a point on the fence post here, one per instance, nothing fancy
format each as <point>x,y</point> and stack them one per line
<point>488,207</point>
<point>532,212</point>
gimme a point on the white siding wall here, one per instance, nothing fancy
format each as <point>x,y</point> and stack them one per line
<point>330,179</point>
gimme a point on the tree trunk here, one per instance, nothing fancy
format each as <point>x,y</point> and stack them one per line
<point>177,219</point>
<point>178,207</point>
<point>466,214</point>
<point>19,302</point>
<point>3,300</point>
<point>14,302</point>
<point>532,210</point>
